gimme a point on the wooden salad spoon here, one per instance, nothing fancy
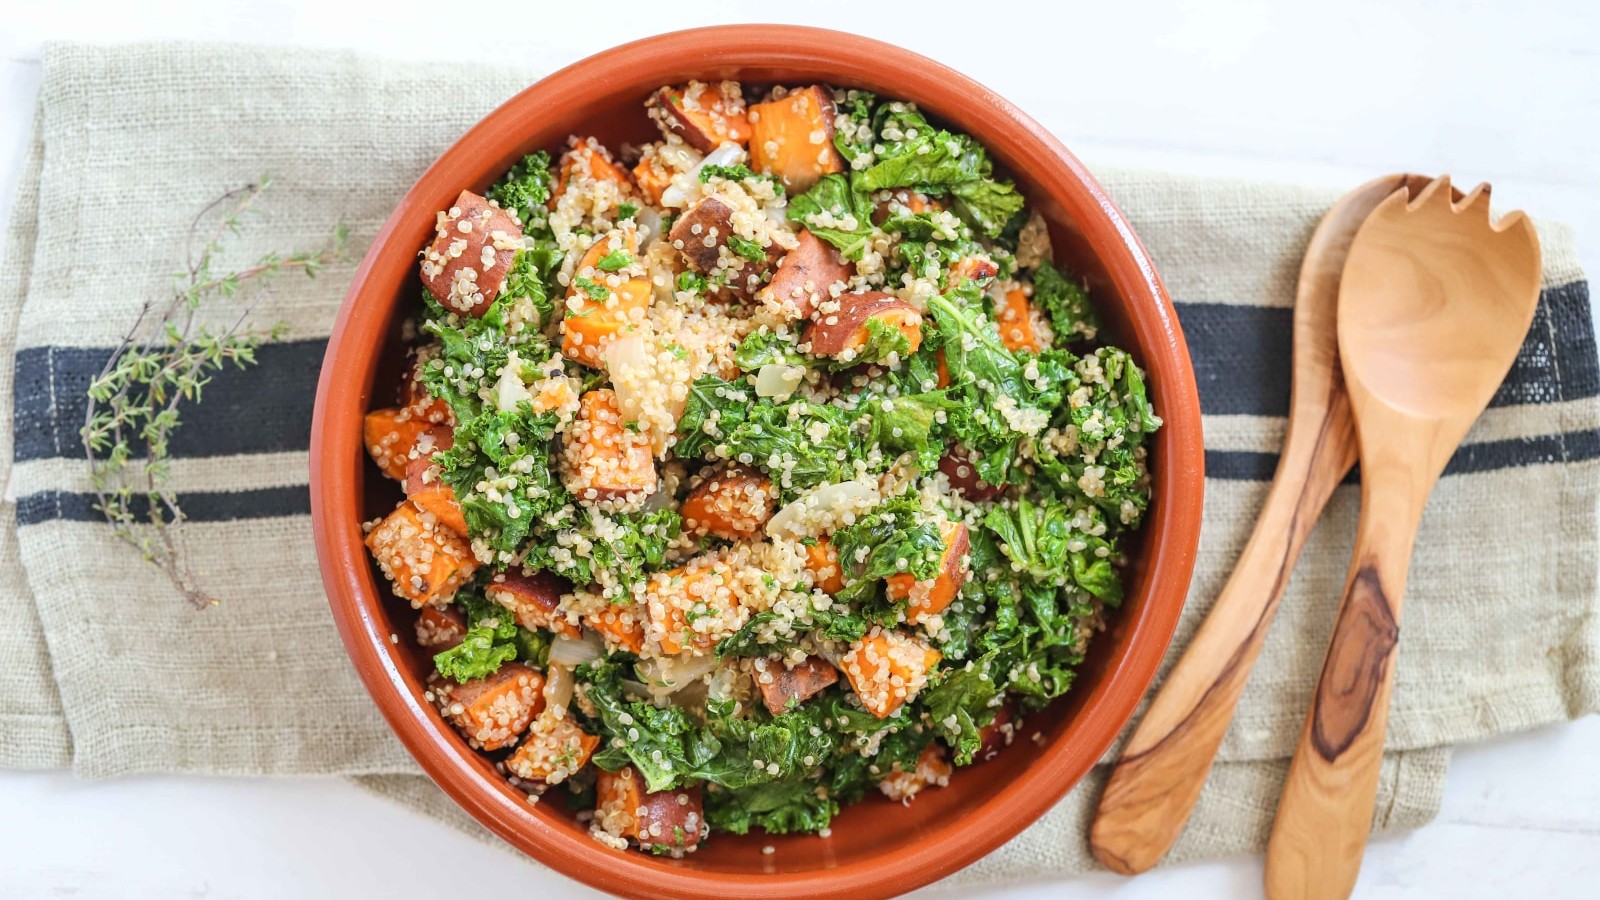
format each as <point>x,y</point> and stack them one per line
<point>1434,304</point>
<point>1154,787</point>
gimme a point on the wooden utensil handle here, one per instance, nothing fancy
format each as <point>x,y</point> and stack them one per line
<point>1325,814</point>
<point>1154,787</point>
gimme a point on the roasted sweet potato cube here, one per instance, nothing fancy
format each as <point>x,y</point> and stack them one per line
<point>886,668</point>
<point>840,328</point>
<point>957,466</point>
<point>391,435</point>
<point>784,687</point>
<point>491,713</point>
<point>792,138</point>
<point>554,749</point>
<point>942,371</point>
<point>653,177</point>
<point>972,268</point>
<point>931,596</point>
<point>534,599</point>
<point>804,276</point>
<point>1019,326</point>
<point>601,304</point>
<point>706,116</point>
<point>440,627</point>
<point>664,820</point>
<point>932,770</point>
<point>703,234</point>
<point>427,491</point>
<point>425,561</point>
<point>731,501</point>
<point>822,561</point>
<point>693,606</point>
<point>622,626</point>
<point>602,459</point>
<point>465,266</point>
<point>586,163</point>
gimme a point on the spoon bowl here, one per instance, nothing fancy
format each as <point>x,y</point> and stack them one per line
<point>1437,302</point>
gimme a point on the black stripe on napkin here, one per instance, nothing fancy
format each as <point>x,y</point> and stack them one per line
<point>1241,357</point>
<point>1513,453</point>
<point>200,506</point>
<point>263,409</point>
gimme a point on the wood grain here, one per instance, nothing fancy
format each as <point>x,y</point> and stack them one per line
<point>1435,303</point>
<point>1154,787</point>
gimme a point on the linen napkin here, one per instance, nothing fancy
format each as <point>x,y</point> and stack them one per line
<point>105,669</point>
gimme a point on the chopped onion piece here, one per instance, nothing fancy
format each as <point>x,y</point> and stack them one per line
<point>649,222</point>
<point>822,509</point>
<point>557,686</point>
<point>629,354</point>
<point>572,652</point>
<point>668,675</point>
<point>778,379</point>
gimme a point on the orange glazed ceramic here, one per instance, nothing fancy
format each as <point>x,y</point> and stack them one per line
<point>877,848</point>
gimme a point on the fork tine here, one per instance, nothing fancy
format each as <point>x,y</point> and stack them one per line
<point>1477,197</point>
<point>1438,185</point>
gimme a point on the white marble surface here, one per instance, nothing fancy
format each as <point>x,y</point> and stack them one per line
<point>1316,93</point>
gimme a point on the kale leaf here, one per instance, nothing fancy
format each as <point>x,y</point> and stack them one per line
<point>836,213</point>
<point>493,639</point>
<point>525,188</point>
<point>1066,304</point>
<point>799,443</point>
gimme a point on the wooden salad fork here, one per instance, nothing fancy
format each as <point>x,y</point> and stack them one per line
<point>1435,301</point>
<point>1154,787</point>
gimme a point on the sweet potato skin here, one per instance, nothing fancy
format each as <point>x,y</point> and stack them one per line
<point>702,233</point>
<point>424,561</point>
<point>670,820</point>
<point>710,119</point>
<point>957,466</point>
<point>835,333</point>
<point>785,686</point>
<point>474,242</point>
<point>601,459</point>
<point>792,138</point>
<point>534,599</point>
<point>440,627</point>
<point>804,276</point>
<point>932,596</point>
<point>732,502</point>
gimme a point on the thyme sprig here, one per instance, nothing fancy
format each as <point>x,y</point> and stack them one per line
<point>166,359</point>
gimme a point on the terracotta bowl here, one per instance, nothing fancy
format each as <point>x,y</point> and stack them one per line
<point>877,848</point>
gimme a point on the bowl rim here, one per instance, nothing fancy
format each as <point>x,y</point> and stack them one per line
<point>1170,533</point>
